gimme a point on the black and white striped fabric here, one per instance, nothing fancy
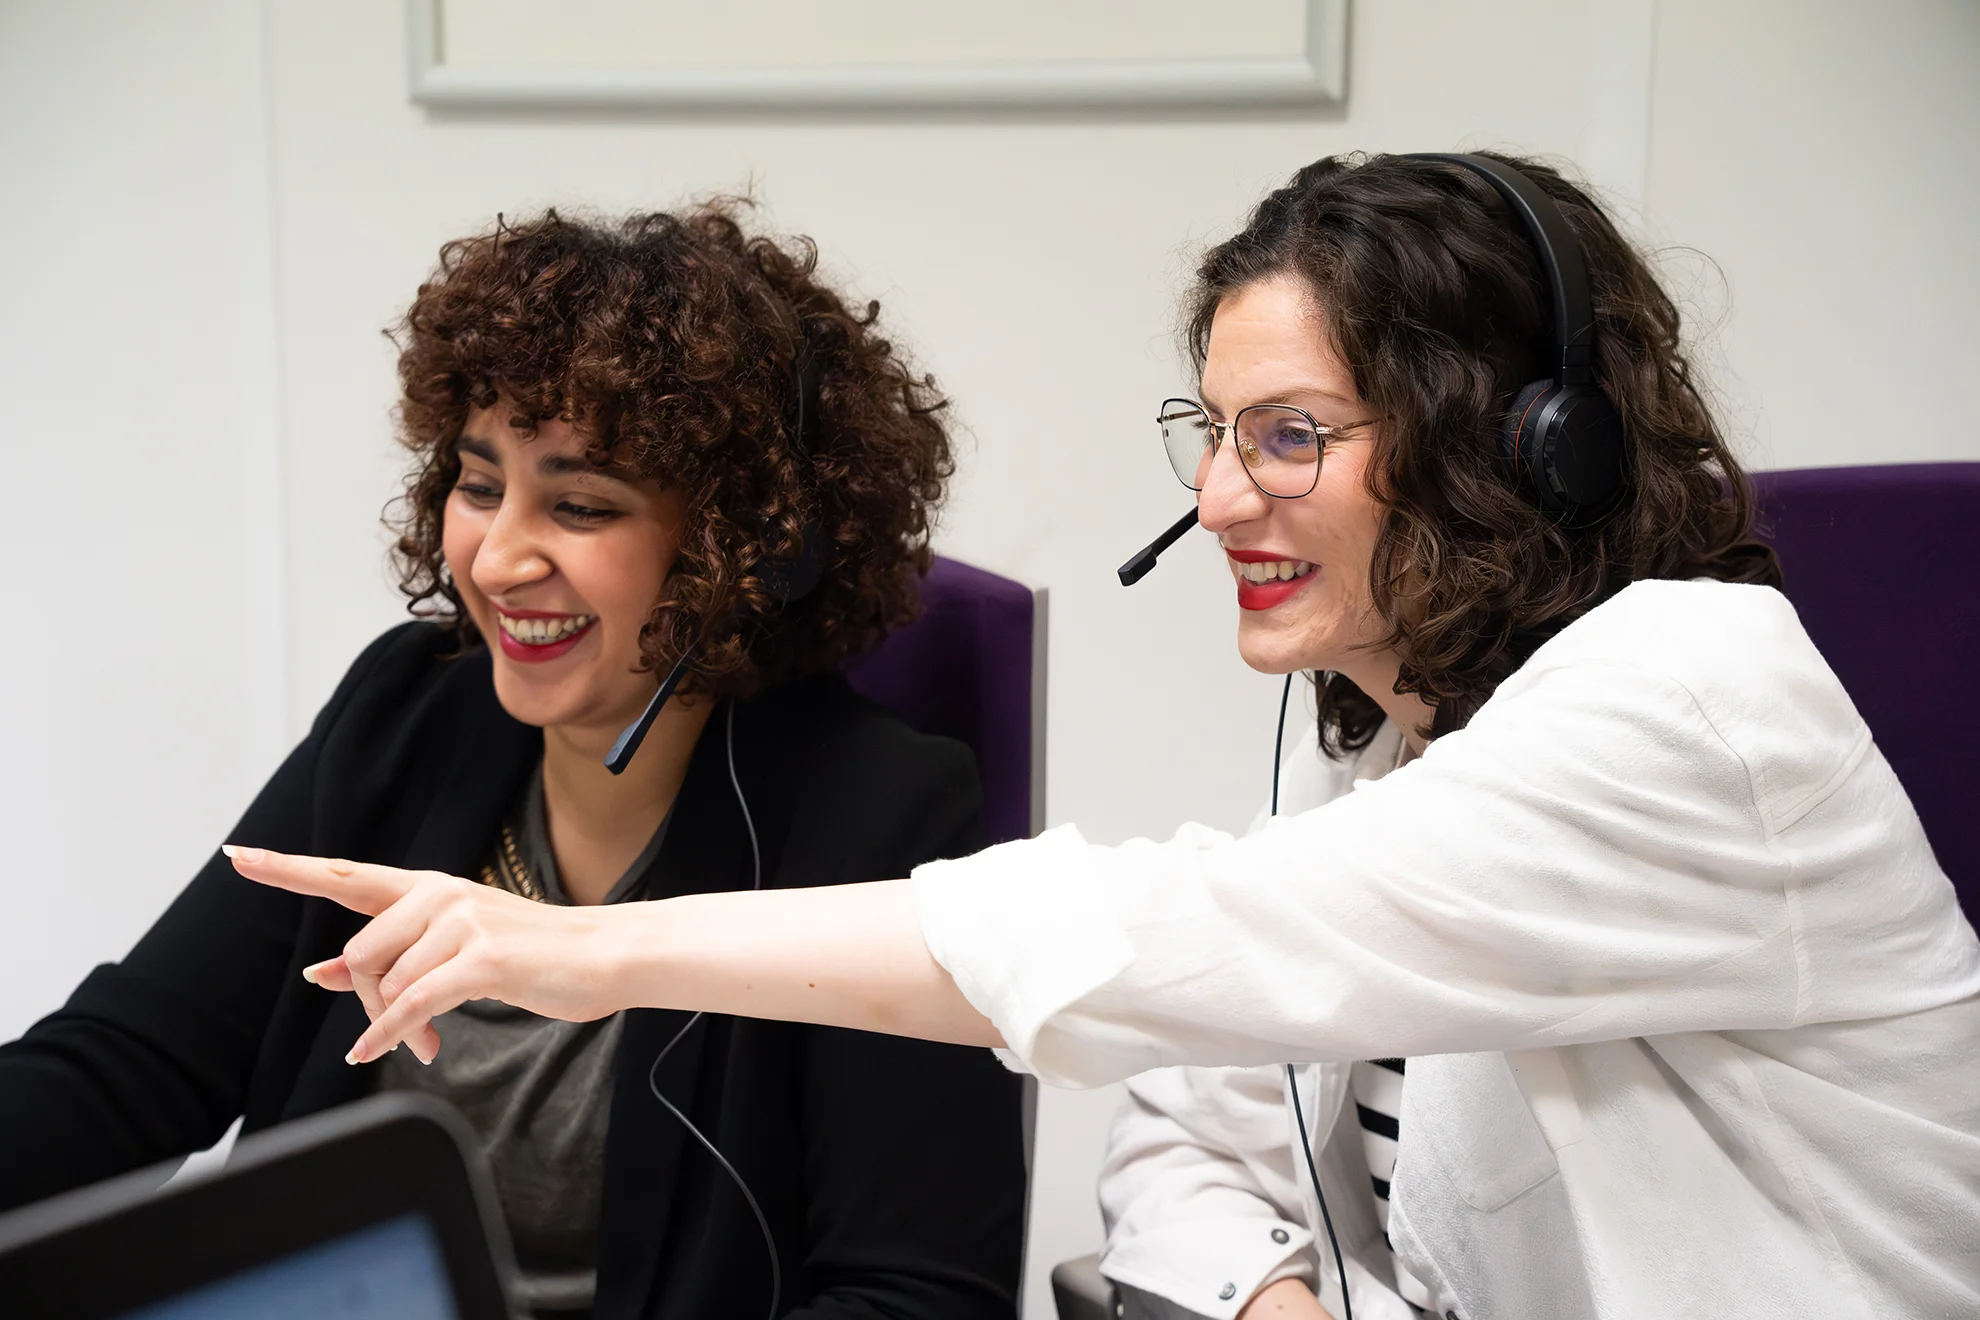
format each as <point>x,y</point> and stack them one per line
<point>1376,1087</point>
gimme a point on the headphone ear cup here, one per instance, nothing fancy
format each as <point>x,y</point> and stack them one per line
<point>790,581</point>
<point>1518,437</point>
<point>1565,443</point>
<point>1578,450</point>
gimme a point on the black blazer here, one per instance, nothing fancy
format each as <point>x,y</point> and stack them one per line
<point>892,1171</point>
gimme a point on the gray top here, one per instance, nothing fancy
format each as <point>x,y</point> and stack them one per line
<point>538,1091</point>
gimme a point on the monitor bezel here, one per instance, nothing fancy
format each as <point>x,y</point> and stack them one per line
<point>103,1251</point>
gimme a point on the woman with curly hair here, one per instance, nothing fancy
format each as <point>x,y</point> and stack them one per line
<point>658,448</point>
<point>1619,974</point>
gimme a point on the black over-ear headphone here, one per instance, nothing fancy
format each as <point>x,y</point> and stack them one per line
<point>1562,434</point>
<point>785,581</point>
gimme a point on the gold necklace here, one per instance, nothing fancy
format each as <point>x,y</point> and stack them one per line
<point>509,871</point>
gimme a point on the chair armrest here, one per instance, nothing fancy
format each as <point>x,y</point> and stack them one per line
<point>1082,1292</point>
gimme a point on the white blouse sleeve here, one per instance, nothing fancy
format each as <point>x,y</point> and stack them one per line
<point>1589,859</point>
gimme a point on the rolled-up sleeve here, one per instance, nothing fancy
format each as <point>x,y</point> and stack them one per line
<point>1585,861</point>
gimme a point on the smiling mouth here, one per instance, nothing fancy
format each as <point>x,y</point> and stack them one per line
<point>544,632</point>
<point>1273,570</point>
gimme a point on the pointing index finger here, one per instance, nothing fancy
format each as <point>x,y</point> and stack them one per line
<point>359,886</point>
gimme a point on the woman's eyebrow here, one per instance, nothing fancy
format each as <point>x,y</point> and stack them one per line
<point>480,448</point>
<point>564,465</point>
<point>1293,396</point>
<point>550,465</point>
<point>1290,396</point>
<point>577,465</point>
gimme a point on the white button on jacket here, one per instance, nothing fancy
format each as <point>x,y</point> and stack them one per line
<point>1692,1012</point>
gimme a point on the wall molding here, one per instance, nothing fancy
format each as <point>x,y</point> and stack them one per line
<point>1317,73</point>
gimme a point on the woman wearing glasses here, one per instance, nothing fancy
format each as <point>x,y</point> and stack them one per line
<point>1586,832</point>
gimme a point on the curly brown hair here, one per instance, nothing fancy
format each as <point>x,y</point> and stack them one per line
<point>676,344</point>
<point>1431,293</point>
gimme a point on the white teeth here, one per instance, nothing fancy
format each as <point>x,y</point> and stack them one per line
<point>542,632</point>
<point>1275,570</point>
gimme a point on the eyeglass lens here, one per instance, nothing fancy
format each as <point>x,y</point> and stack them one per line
<point>1278,445</point>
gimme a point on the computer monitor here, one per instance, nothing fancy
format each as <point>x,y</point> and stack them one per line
<point>380,1209</point>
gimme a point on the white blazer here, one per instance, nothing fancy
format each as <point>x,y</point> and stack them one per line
<point>1692,1012</point>
<point>1204,1190</point>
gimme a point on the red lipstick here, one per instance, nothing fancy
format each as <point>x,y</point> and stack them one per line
<point>1264,595</point>
<point>530,654</point>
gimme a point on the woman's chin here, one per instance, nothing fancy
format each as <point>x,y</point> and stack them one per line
<point>1270,659</point>
<point>538,704</point>
<point>1271,650</point>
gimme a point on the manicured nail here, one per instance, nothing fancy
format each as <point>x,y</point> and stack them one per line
<point>352,1058</point>
<point>309,973</point>
<point>240,854</point>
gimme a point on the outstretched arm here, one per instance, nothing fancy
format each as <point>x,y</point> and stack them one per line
<point>846,956</point>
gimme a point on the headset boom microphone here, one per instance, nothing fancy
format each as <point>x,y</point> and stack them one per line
<point>1137,568</point>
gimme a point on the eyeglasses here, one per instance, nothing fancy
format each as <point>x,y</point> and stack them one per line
<point>1280,445</point>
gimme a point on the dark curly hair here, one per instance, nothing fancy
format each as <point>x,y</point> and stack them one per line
<point>1431,293</point>
<point>676,344</point>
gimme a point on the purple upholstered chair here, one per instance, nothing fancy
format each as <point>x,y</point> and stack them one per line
<point>972,667</point>
<point>1880,563</point>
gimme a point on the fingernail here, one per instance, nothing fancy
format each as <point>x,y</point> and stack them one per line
<point>240,854</point>
<point>309,973</point>
<point>352,1058</point>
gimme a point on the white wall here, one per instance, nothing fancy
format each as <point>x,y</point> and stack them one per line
<point>142,697</point>
<point>202,325</point>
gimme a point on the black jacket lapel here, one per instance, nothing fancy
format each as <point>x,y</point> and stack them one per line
<point>494,755</point>
<point>497,754</point>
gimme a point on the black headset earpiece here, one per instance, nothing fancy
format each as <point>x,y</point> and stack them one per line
<point>789,581</point>
<point>785,581</point>
<point>1562,435</point>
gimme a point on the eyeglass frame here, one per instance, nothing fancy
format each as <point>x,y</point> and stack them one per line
<point>1219,431</point>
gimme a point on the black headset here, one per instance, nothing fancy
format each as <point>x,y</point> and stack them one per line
<point>785,581</point>
<point>1562,434</point>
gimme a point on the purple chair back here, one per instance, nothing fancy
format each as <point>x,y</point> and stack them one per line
<point>972,667</point>
<point>1879,562</point>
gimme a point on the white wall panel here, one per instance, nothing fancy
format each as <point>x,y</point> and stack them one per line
<point>1031,260</point>
<point>141,688</point>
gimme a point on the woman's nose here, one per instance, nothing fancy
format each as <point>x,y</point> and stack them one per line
<point>511,554</point>
<point>1229,496</point>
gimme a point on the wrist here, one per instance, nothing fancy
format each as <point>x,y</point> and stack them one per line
<point>627,952</point>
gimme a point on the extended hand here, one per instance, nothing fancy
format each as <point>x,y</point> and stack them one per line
<point>839,956</point>
<point>436,941</point>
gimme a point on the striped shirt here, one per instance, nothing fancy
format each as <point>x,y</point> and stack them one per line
<point>1376,1087</point>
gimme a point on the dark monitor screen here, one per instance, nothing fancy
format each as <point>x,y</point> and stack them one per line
<point>393,1271</point>
<point>382,1208</point>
